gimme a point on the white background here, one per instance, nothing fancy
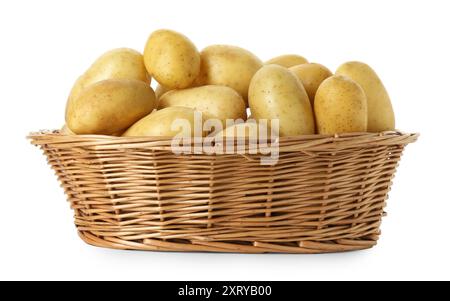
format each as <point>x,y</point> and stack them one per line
<point>45,45</point>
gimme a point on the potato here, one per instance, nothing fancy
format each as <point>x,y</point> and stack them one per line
<point>311,75</point>
<point>276,93</point>
<point>66,131</point>
<point>160,123</point>
<point>120,63</point>
<point>228,66</point>
<point>110,106</point>
<point>172,59</point>
<point>160,90</point>
<point>213,101</point>
<point>243,130</point>
<point>287,60</point>
<point>340,106</point>
<point>379,108</point>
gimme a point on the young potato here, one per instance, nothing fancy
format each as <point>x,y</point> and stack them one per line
<point>311,75</point>
<point>340,106</point>
<point>287,60</point>
<point>172,59</point>
<point>228,66</point>
<point>213,101</point>
<point>276,93</point>
<point>120,63</point>
<point>110,106</point>
<point>379,108</point>
<point>160,123</point>
<point>243,130</point>
<point>66,131</point>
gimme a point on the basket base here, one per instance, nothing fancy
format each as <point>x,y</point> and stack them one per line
<point>303,247</point>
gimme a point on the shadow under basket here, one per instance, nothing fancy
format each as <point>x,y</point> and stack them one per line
<point>325,193</point>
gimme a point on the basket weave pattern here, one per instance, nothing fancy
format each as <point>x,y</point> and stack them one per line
<point>325,194</point>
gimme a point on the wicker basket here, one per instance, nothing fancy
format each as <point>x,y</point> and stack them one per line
<point>325,194</point>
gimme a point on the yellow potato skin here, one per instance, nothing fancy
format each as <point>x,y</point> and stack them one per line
<point>229,66</point>
<point>120,63</point>
<point>110,106</point>
<point>340,106</point>
<point>172,59</point>
<point>159,122</point>
<point>276,93</point>
<point>66,131</point>
<point>311,75</point>
<point>242,130</point>
<point>287,60</point>
<point>213,101</point>
<point>379,108</point>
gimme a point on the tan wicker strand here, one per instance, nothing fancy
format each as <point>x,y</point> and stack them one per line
<point>325,193</point>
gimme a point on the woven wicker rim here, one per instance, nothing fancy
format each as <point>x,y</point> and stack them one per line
<point>295,143</point>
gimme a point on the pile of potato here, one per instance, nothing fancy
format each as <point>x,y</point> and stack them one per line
<point>114,96</point>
